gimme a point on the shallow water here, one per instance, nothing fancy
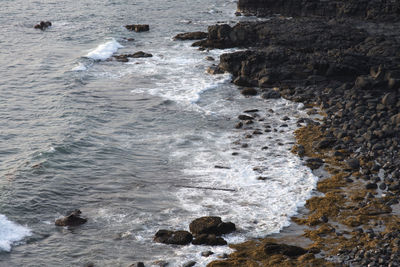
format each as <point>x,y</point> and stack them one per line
<point>128,142</point>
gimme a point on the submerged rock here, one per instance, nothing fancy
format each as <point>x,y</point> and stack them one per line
<point>138,27</point>
<point>74,219</point>
<point>42,25</point>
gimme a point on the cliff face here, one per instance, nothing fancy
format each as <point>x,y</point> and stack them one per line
<point>366,9</point>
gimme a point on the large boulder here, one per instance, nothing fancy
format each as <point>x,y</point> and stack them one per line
<point>73,219</point>
<point>173,237</point>
<point>211,225</point>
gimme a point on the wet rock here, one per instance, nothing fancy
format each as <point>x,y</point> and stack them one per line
<point>371,186</point>
<point>353,164</point>
<point>249,91</point>
<point>214,70</point>
<point>271,94</point>
<point>207,253</point>
<point>191,36</point>
<point>161,263</point>
<point>139,264</point>
<point>43,25</point>
<point>138,27</point>
<point>173,237</point>
<point>245,117</point>
<point>209,58</point>
<point>287,250</point>
<point>125,57</point>
<point>209,239</point>
<point>211,225</point>
<point>189,264</point>
<point>73,219</point>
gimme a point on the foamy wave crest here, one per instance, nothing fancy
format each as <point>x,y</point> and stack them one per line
<point>10,233</point>
<point>104,51</point>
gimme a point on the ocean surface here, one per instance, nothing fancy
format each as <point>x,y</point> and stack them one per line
<point>133,145</point>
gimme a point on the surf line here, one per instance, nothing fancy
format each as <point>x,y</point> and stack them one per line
<point>207,188</point>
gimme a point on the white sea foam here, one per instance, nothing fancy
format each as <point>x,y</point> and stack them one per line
<point>10,233</point>
<point>104,51</point>
<point>80,67</point>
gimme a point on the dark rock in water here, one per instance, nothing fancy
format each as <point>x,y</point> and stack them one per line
<point>74,219</point>
<point>214,70</point>
<point>287,250</point>
<point>173,237</point>
<point>211,225</point>
<point>270,94</point>
<point>138,27</point>
<point>43,25</point>
<point>209,58</point>
<point>207,253</point>
<point>242,81</point>
<point>249,91</point>
<point>191,36</point>
<point>209,239</point>
<point>189,264</point>
<point>139,264</point>
<point>245,117</point>
<point>125,57</point>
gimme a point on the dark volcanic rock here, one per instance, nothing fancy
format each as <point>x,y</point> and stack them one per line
<point>138,27</point>
<point>209,239</point>
<point>287,250</point>
<point>173,237</point>
<point>379,9</point>
<point>73,219</point>
<point>191,36</point>
<point>249,91</point>
<point>42,25</point>
<point>125,57</point>
<point>211,225</point>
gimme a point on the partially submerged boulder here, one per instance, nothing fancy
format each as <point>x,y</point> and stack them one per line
<point>42,25</point>
<point>73,219</point>
<point>125,57</point>
<point>138,27</point>
<point>173,237</point>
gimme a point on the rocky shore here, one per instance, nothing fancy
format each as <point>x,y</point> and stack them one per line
<point>342,60</point>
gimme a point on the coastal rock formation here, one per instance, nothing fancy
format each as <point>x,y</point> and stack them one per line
<point>364,9</point>
<point>43,25</point>
<point>209,240</point>
<point>173,237</point>
<point>191,36</point>
<point>73,219</point>
<point>125,57</point>
<point>138,27</point>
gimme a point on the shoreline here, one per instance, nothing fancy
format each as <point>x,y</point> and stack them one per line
<point>351,73</point>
